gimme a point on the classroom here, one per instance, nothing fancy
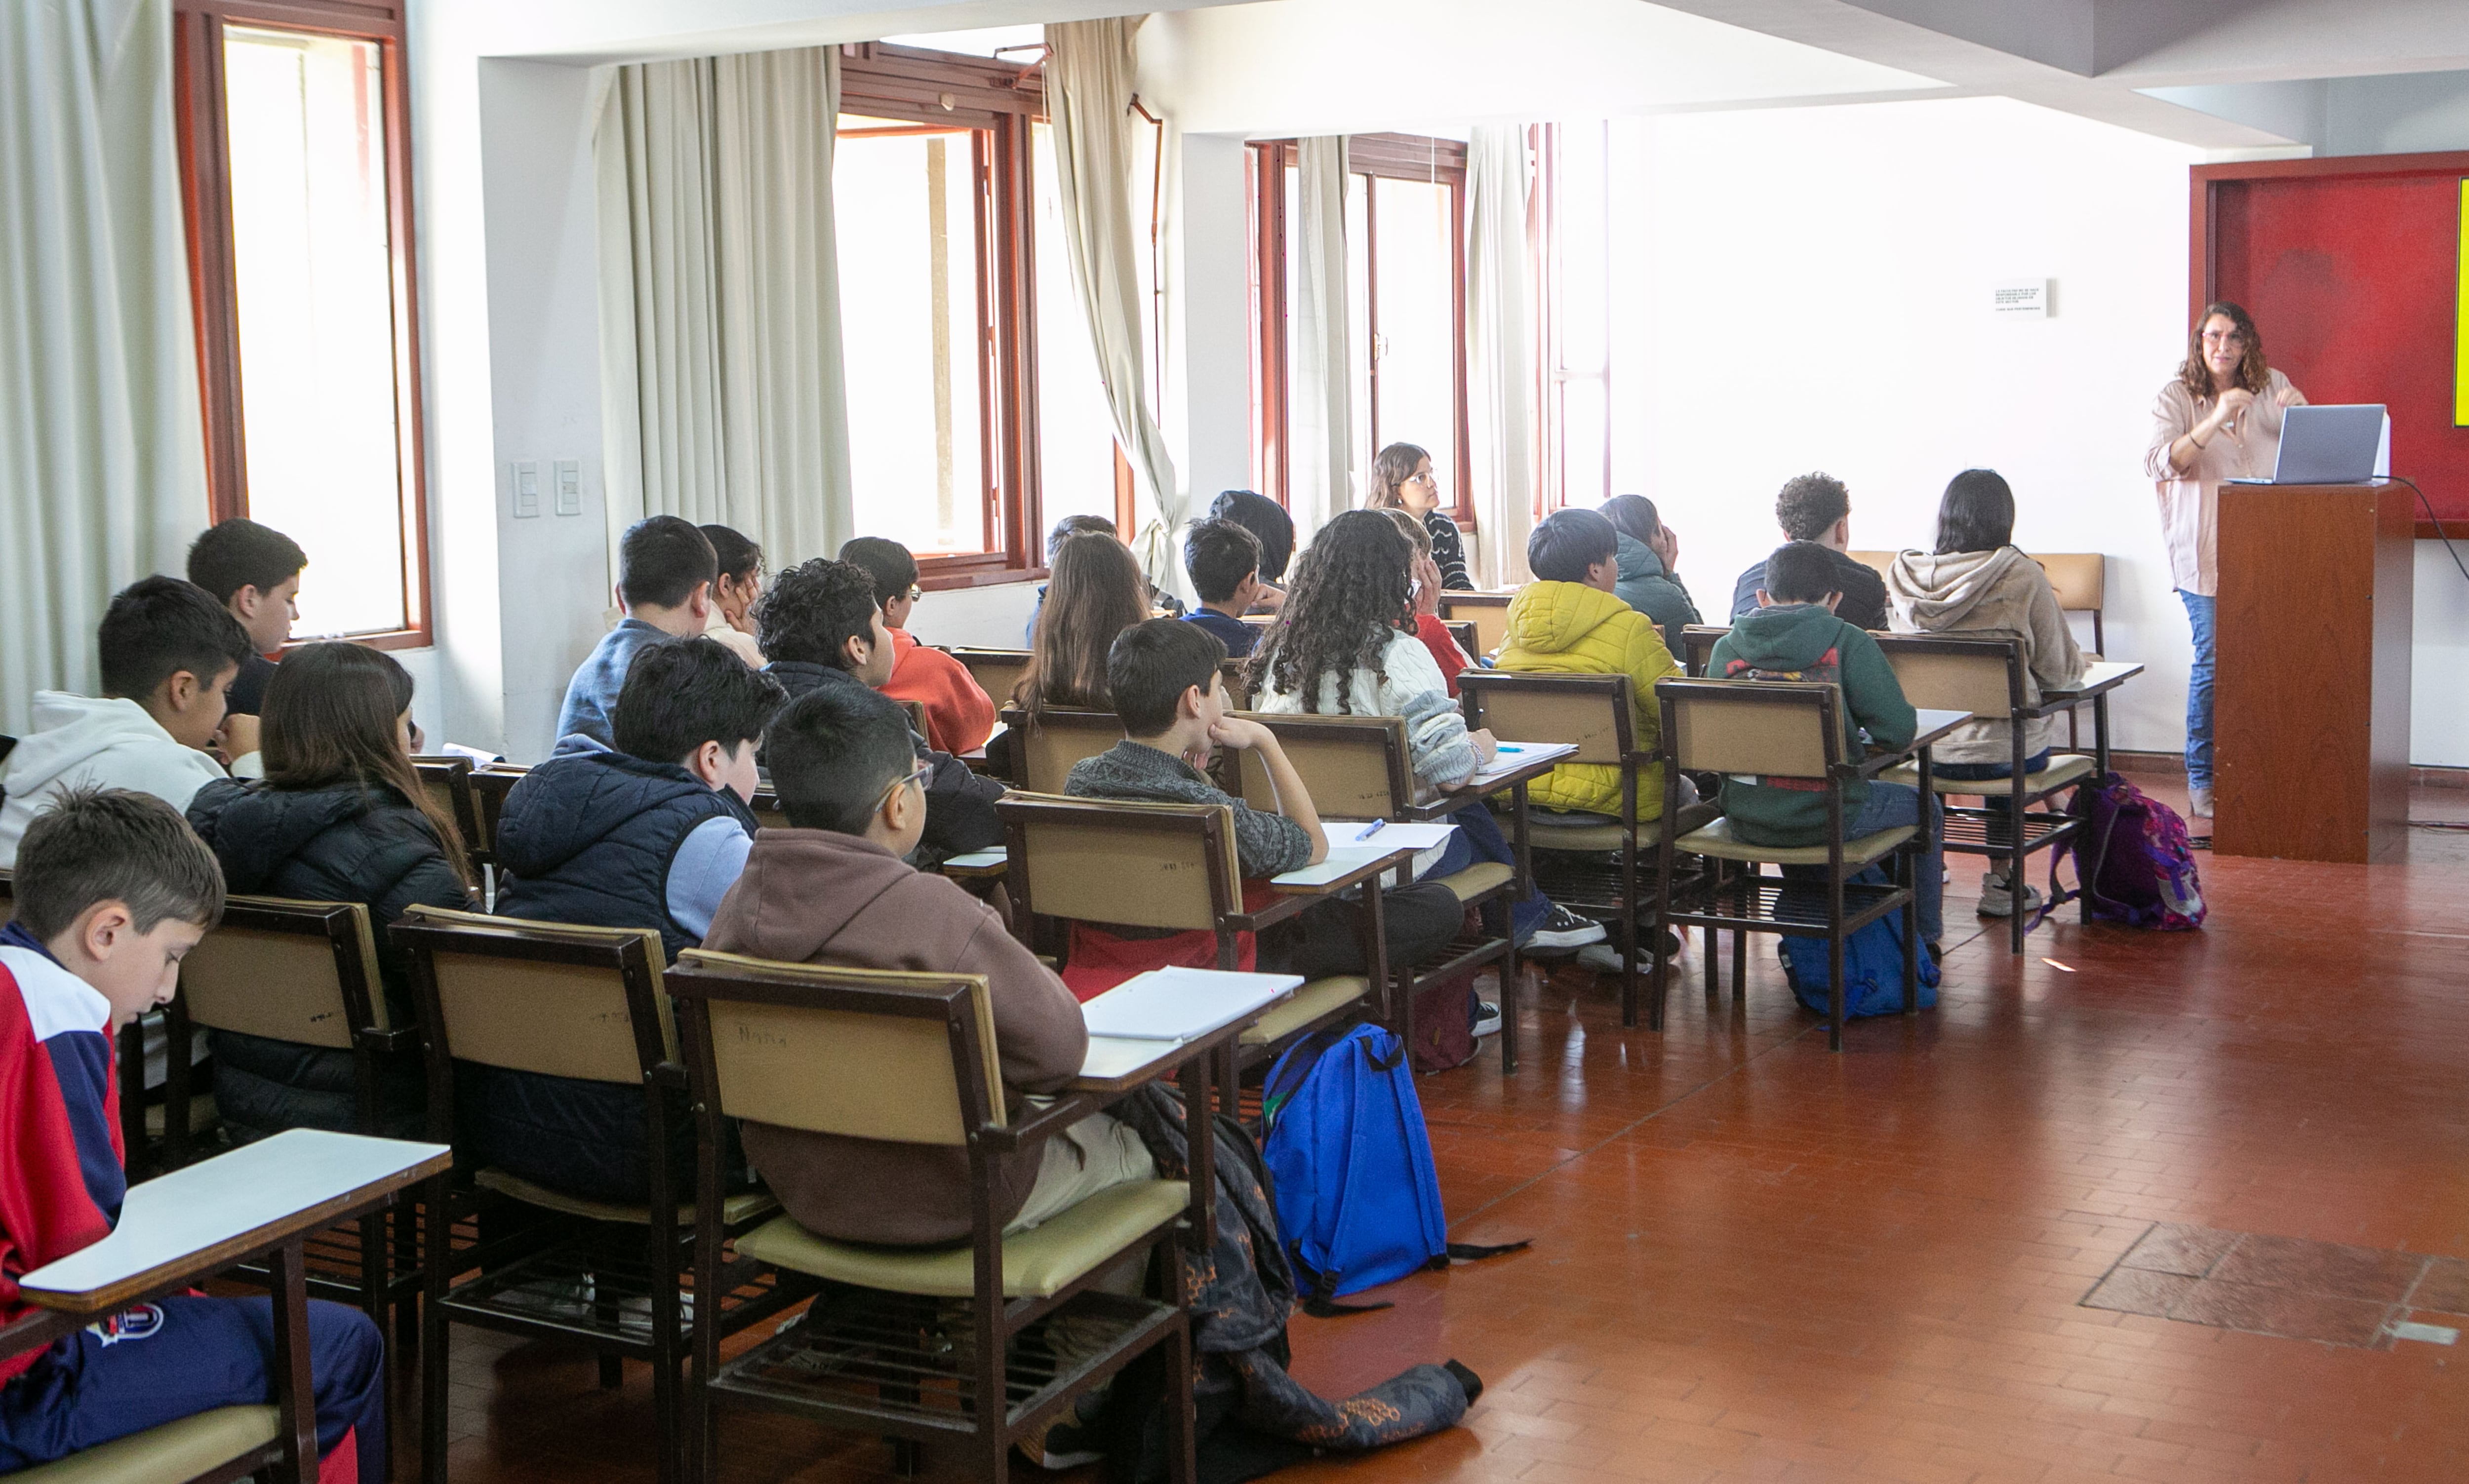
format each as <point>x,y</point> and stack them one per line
<point>1764,699</point>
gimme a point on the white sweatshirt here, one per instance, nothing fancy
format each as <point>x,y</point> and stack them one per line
<point>83,741</point>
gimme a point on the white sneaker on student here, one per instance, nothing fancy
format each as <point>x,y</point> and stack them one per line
<point>2199,800</point>
<point>1486,1018</point>
<point>1998,897</point>
<point>1563,930</point>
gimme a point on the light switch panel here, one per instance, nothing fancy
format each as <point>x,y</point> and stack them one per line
<point>526,490</point>
<point>569,486</point>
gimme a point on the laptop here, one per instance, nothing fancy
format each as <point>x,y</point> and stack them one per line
<point>2339,445</point>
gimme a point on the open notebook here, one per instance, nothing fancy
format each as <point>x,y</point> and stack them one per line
<point>1181,1004</point>
<point>1513,756</point>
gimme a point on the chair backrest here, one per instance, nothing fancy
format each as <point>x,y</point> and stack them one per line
<point>1080,858</point>
<point>1948,673</point>
<point>862,1053</point>
<point>2081,581</point>
<point>996,670</point>
<point>1059,738</point>
<point>565,1001</point>
<point>301,971</point>
<point>1698,645</point>
<point>1353,767</point>
<point>448,780</point>
<point>490,786</point>
<point>1878,562</point>
<point>1770,728</point>
<point>1487,613</point>
<point>1591,711</point>
<point>1237,678</point>
<point>1464,632</point>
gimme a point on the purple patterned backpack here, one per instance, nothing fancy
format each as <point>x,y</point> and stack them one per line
<point>2133,860</point>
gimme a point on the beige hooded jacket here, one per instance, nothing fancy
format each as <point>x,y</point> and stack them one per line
<point>1992,594</point>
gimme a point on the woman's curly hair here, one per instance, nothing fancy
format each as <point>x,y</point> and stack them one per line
<point>2253,372</point>
<point>1351,595</point>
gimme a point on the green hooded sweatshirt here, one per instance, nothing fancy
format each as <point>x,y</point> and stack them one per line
<point>1795,637</point>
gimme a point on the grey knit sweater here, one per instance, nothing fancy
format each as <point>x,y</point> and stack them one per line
<point>1265,844</point>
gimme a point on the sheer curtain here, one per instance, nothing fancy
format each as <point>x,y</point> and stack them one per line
<point>1500,351</point>
<point>722,395</point>
<point>1320,412</point>
<point>103,467</point>
<point>1089,94</point>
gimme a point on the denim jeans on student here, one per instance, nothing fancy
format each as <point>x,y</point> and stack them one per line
<point>1478,838</point>
<point>1982,772</point>
<point>1887,807</point>
<point>2199,692</point>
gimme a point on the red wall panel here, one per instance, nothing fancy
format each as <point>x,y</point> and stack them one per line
<point>2350,267</point>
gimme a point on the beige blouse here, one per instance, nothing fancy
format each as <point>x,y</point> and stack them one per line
<point>2190,501</point>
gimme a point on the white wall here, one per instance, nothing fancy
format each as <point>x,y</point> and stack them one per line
<point>2438,733</point>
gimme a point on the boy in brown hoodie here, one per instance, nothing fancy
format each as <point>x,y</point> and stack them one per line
<point>833,889</point>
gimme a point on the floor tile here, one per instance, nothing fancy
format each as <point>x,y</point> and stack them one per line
<point>2283,1312</point>
<point>2190,1250</point>
<point>2323,1267</point>
<point>2137,1291</point>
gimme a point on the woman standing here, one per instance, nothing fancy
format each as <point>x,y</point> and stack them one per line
<point>1401,479</point>
<point>2218,419</point>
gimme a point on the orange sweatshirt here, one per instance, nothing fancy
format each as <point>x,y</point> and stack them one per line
<point>958,716</point>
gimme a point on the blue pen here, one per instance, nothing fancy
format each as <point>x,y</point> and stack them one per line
<point>1507,748</point>
<point>1370,829</point>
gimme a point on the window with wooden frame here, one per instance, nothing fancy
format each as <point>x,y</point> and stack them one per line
<point>1594,331</point>
<point>296,159</point>
<point>1405,241</point>
<point>968,429</point>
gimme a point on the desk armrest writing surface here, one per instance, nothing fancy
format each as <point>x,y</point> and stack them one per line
<point>1453,799</point>
<point>1933,725</point>
<point>2099,679</point>
<point>1346,867</point>
<point>192,1221</point>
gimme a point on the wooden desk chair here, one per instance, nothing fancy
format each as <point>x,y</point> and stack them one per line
<point>584,1003</point>
<point>1594,713</point>
<point>490,786</point>
<point>1172,866</point>
<point>1697,647</point>
<point>1487,613</point>
<point>448,778</point>
<point>1777,730</point>
<point>2081,581</point>
<point>305,972</point>
<point>1464,632</point>
<point>1236,674</point>
<point>1988,679</point>
<point>912,1057</point>
<point>1359,768</point>
<point>996,670</point>
<point>1043,754</point>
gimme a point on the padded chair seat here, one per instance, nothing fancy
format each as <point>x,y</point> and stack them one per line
<point>203,1116</point>
<point>172,1454</point>
<point>1484,875</point>
<point>744,1206</point>
<point>2064,768</point>
<point>1037,1264</point>
<point>1307,1004</point>
<point>1718,839</point>
<point>1602,832</point>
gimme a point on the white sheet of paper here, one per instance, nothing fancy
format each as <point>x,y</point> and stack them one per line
<point>977,859</point>
<point>1180,1004</point>
<point>1513,756</point>
<point>1392,836</point>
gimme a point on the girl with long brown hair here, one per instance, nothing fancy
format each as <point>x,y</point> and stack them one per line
<point>2217,418</point>
<point>1402,479</point>
<point>339,816</point>
<point>1093,594</point>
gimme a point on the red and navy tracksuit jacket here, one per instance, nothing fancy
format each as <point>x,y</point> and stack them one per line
<point>60,1190</point>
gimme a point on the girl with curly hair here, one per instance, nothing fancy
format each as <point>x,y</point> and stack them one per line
<point>1346,645</point>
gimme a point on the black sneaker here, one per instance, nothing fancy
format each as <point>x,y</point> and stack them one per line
<point>1563,930</point>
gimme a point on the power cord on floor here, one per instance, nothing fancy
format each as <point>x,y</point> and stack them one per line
<point>2431,520</point>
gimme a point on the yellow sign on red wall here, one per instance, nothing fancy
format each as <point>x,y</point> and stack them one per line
<point>2461,323</point>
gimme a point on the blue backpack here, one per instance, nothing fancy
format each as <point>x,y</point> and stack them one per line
<point>1358,1200</point>
<point>1873,970</point>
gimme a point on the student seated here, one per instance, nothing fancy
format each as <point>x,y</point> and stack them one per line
<point>254,571</point>
<point>959,715</point>
<point>339,816</point>
<point>665,570</point>
<point>1171,696</point>
<point>1402,479</point>
<point>1429,626</point>
<point>1795,635</point>
<point>1069,526</point>
<point>1649,565</point>
<point>1093,595</point>
<point>111,890</point>
<point>170,652</point>
<point>1816,508</point>
<point>1223,561</point>
<point>1269,523</point>
<point>650,833</point>
<point>1977,583</point>
<point>733,590</point>
<point>821,626</point>
<point>1346,646</point>
<point>833,889</point>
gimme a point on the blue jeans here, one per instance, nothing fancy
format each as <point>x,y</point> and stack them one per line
<point>1889,807</point>
<point>2199,692</point>
<point>1478,838</point>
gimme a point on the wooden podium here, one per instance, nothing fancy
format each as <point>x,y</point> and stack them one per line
<point>2310,708</point>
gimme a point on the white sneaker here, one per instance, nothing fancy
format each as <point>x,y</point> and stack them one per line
<point>1563,930</point>
<point>1998,897</point>
<point>1486,1018</point>
<point>2199,800</point>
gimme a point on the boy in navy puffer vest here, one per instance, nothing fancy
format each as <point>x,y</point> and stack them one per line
<point>651,833</point>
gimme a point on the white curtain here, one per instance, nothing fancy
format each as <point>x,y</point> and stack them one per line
<point>1500,351</point>
<point>1319,405</point>
<point>102,469</point>
<point>720,327</point>
<point>1089,95</point>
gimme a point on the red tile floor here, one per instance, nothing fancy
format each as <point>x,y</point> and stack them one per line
<point>1757,1260</point>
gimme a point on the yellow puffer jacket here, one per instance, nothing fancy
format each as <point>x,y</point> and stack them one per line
<point>1568,628</point>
